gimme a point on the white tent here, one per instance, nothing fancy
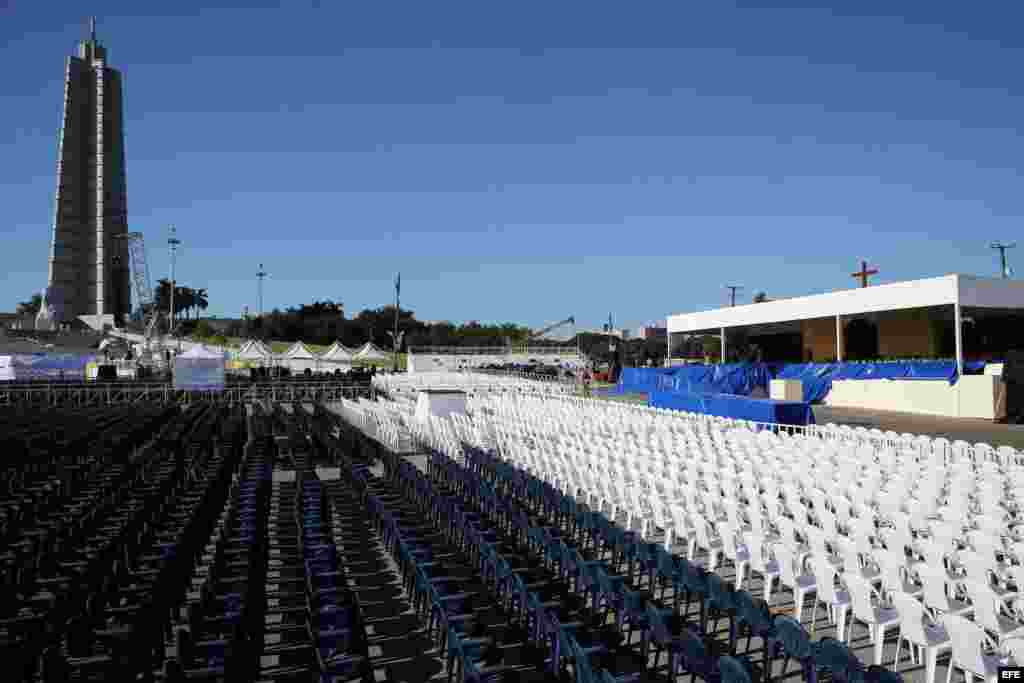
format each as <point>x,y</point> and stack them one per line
<point>299,358</point>
<point>337,357</point>
<point>200,368</point>
<point>254,352</point>
<point>370,352</point>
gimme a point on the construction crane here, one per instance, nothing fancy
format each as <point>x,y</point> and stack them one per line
<point>553,326</point>
<point>141,285</point>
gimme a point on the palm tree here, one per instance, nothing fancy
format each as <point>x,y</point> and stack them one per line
<point>181,300</point>
<point>201,300</point>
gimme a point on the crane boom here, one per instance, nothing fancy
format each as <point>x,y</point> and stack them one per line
<point>144,299</point>
<point>553,326</point>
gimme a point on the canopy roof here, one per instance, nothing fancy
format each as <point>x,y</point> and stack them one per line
<point>300,351</point>
<point>965,290</point>
<point>201,351</point>
<point>369,350</point>
<point>338,352</point>
<point>253,350</point>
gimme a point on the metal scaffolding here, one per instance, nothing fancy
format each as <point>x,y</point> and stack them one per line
<point>117,393</point>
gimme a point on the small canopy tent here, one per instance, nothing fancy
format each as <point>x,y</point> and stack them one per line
<point>370,352</point>
<point>299,358</point>
<point>337,357</point>
<point>254,353</point>
<point>200,369</point>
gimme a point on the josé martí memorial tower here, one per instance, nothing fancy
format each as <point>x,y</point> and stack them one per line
<point>89,268</point>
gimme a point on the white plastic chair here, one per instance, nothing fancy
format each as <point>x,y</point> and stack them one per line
<point>969,644</point>
<point>836,600</point>
<point>917,628</point>
<point>800,583</point>
<point>877,618</point>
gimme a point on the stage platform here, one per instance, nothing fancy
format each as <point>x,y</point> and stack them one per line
<point>971,430</point>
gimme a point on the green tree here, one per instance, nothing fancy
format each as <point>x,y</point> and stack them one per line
<point>203,329</point>
<point>760,298</point>
<point>30,307</point>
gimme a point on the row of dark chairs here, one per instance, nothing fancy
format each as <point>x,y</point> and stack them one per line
<point>511,527</point>
<point>78,570</point>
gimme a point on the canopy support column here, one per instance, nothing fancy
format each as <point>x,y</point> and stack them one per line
<point>839,339</point>
<point>723,345</point>
<point>958,336</point>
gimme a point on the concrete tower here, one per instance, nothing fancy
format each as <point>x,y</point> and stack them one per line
<point>89,267</point>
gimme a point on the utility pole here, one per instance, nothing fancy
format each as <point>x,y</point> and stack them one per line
<point>732,293</point>
<point>172,243</point>
<point>1004,269</point>
<point>259,287</point>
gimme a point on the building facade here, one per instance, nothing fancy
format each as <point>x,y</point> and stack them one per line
<point>653,331</point>
<point>89,272</point>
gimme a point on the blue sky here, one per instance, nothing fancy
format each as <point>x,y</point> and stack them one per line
<point>525,161</point>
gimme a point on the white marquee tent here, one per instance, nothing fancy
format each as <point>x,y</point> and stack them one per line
<point>370,352</point>
<point>255,352</point>
<point>299,358</point>
<point>337,357</point>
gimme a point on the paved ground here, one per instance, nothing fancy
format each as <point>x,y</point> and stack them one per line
<point>966,429</point>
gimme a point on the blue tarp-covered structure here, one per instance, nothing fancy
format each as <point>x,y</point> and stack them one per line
<point>736,407</point>
<point>40,366</point>
<point>738,378</point>
<point>741,378</point>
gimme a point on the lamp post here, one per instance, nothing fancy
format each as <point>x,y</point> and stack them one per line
<point>260,274</point>
<point>172,243</point>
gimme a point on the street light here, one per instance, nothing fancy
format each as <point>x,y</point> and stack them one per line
<point>172,243</point>
<point>260,275</point>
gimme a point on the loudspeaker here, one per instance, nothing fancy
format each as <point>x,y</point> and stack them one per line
<point>1013,377</point>
<point>106,373</point>
<point>1013,368</point>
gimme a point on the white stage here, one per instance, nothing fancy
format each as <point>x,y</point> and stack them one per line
<point>978,396</point>
<point>440,403</point>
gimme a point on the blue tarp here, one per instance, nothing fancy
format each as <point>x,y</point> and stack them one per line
<point>737,378</point>
<point>741,378</point>
<point>736,407</point>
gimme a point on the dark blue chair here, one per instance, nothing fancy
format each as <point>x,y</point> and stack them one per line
<point>696,658</point>
<point>737,670</point>
<point>754,616</point>
<point>834,657</point>
<point>794,641</point>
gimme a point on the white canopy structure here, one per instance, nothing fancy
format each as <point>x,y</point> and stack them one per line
<point>200,369</point>
<point>823,319</point>
<point>337,357</point>
<point>370,352</point>
<point>299,358</point>
<point>255,352</point>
